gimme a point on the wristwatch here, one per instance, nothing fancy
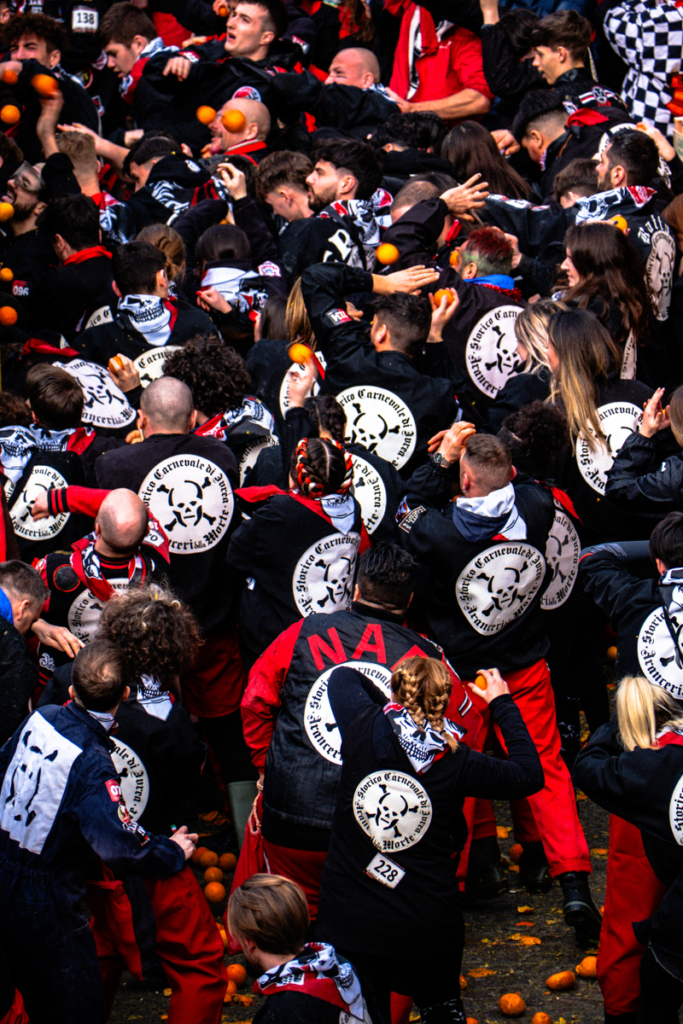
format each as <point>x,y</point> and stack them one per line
<point>439,460</point>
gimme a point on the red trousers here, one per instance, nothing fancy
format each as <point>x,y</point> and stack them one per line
<point>305,867</point>
<point>550,815</point>
<point>214,686</point>
<point>633,894</point>
<point>16,1013</point>
<point>187,943</point>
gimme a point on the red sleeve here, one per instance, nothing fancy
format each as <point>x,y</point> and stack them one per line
<point>462,711</point>
<point>262,696</point>
<point>86,500</point>
<point>468,63</point>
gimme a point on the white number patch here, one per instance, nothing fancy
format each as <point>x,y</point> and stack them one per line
<point>83,19</point>
<point>385,871</point>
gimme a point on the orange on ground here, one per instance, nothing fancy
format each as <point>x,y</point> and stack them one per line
<point>6,274</point>
<point>588,968</point>
<point>387,253</point>
<point>463,983</point>
<point>197,855</point>
<point>472,1020</point>
<point>213,875</point>
<point>511,1005</point>
<point>227,861</point>
<point>230,991</point>
<point>214,892</point>
<point>299,353</point>
<point>10,77</point>
<point>516,852</point>
<point>208,859</point>
<point>562,981</point>
<point>205,114</point>
<point>236,973</point>
<point>541,1018</point>
<point>612,653</point>
<point>45,85</point>
<point>8,316</point>
<point>6,211</point>
<point>10,114</point>
<point>479,681</point>
<point>234,121</point>
<point>449,295</point>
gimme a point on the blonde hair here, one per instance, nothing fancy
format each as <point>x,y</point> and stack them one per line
<point>642,710</point>
<point>80,149</point>
<point>271,911</point>
<point>423,686</point>
<point>169,243</point>
<point>531,331</point>
<point>298,325</point>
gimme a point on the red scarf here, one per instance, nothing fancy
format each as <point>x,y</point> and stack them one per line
<point>87,254</point>
<point>254,494</point>
<point>86,564</point>
<point>43,348</point>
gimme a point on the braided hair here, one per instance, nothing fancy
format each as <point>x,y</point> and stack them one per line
<point>423,686</point>
<point>321,466</point>
<point>328,415</point>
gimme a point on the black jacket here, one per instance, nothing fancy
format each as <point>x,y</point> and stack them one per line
<point>644,479</point>
<point>18,679</point>
<point>72,293</point>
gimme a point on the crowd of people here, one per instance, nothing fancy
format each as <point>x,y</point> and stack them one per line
<point>340,430</point>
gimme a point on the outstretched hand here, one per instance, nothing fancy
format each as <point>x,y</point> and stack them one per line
<point>411,280</point>
<point>187,841</point>
<point>463,198</point>
<point>655,418</point>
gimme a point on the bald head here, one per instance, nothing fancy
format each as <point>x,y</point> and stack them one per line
<point>354,66</point>
<point>166,405</point>
<point>122,521</point>
<point>256,129</point>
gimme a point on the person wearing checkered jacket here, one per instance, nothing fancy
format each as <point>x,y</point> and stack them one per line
<point>649,37</point>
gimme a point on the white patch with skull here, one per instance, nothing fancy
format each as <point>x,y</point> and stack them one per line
<point>370,493</point>
<point>84,614</point>
<point>659,658</point>
<point>105,404</point>
<point>323,578</point>
<point>491,351</point>
<point>562,553</point>
<point>321,727</point>
<point>150,364</point>
<point>42,478</point>
<point>298,368</point>
<point>660,271</point>
<point>617,421</point>
<point>192,499</point>
<point>497,586</point>
<point>134,780</point>
<point>629,361</point>
<point>379,421</point>
<point>252,451</point>
<point>393,809</point>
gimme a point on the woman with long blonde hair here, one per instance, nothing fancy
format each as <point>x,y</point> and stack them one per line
<point>390,867</point>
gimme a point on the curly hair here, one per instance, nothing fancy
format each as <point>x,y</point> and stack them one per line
<point>14,411</point>
<point>423,686</point>
<point>157,633</point>
<point>535,434</point>
<point>325,412</point>
<point>213,371</point>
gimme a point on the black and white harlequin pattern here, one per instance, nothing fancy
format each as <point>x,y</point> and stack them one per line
<point>648,35</point>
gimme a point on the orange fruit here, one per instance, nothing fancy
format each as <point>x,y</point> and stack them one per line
<point>115,363</point>
<point>472,1020</point>
<point>10,77</point>
<point>197,855</point>
<point>511,1005</point>
<point>444,293</point>
<point>541,1018</point>
<point>387,253</point>
<point>516,852</point>
<point>480,681</point>
<point>6,274</point>
<point>205,114</point>
<point>619,222</point>
<point>612,653</point>
<point>10,114</point>
<point>223,11</point>
<point>8,316</point>
<point>213,875</point>
<point>299,353</point>
<point>454,259</point>
<point>6,211</point>
<point>236,973</point>
<point>45,85</point>
<point>214,892</point>
<point>463,982</point>
<point>234,121</point>
<point>230,991</point>
<point>562,981</point>
<point>227,861</point>
<point>224,937</point>
<point>588,968</point>
<point>208,859</point>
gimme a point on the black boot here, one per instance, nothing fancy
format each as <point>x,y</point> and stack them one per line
<point>579,909</point>
<point>533,868</point>
<point>486,876</point>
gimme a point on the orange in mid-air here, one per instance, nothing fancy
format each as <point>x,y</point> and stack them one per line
<point>10,114</point>
<point>236,973</point>
<point>45,85</point>
<point>10,77</point>
<point>8,316</point>
<point>299,353</point>
<point>6,211</point>
<point>387,253</point>
<point>205,114</point>
<point>214,892</point>
<point>234,121</point>
<point>6,274</point>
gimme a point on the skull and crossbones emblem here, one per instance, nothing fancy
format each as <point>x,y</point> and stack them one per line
<point>336,580</point>
<point>392,808</point>
<point>187,511</point>
<point>370,428</point>
<point>503,587</point>
<point>505,361</point>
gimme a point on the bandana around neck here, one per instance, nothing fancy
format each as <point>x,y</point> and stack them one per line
<point>86,564</point>
<point>322,973</point>
<point>251,412</point>
<point>156,701</point>
<point>19,444</point>
<point>105,719</point>
<point>422,746</point>
<point>149,315</point>
<point>495,513</point>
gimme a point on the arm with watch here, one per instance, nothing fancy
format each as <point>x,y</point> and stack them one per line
<point>431,485</point>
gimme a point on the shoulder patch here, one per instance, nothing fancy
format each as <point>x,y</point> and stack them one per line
<point>409,520</point>
<point>337,317</point>
<point>65,579</point>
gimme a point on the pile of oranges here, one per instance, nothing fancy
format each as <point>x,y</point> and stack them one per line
<point>214,868</point>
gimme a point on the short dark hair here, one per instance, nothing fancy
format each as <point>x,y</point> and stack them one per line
<point>490,458</point>
<point>38,25</point>
<point>355,156</point>
<point>564,28</point>
<point>538,110</point>
<point>124,21</point>
<point>14,411</point>
<point>23,581</point>
<point>56,397</point>
<point>277,19</point>
<point>408,318</point>
<point>414,192</point>
<point>213,371</point>
<point>75,218</point>
<point>387,575</point>
<point>285,167</point>
<point>135,266</point>
<point>99,675</point>
<point>222,242</point>
<point>637,153</point>
<point>411,130</point>
<point>579,176</point>
<point>666,541</point>
<point>518,26</point>
<point>490,250</point>
<point>149,147</point>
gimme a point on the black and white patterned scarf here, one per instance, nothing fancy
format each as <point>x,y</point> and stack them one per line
<point>422,746</point>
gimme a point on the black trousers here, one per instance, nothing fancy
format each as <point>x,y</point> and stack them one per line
<point>434,986</point>
<point>661,994</point>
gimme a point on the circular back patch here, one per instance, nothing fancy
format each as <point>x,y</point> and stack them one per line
<point>617,421</point>
<point>192,499</point>
<point>659,271</point>
<point>105,404</point>
<point>323,578</point>
<point>134,778</point>
<point>630,359</point>
<point>498,586</point>
<point>297,368</point>
<point>150,364</point>
<point>658,656</point>
<point>42,478</point>
<point>676,812</point>
<point>379,421</point>
<point>370,493</point>
<point>491,352</point>
<point>252,451</point>
<point>84,614</point>
<point>321,727</point>
<point>562,552</point>
<point>393,809</point>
